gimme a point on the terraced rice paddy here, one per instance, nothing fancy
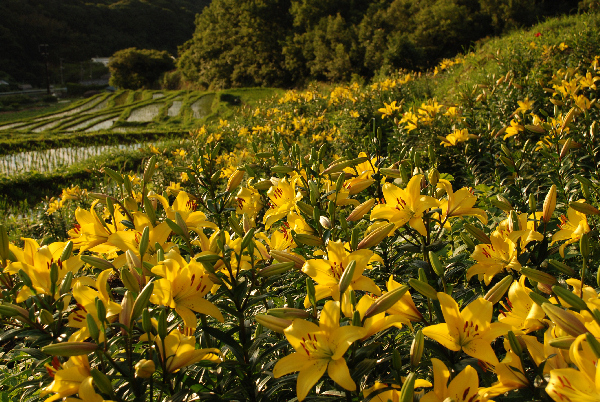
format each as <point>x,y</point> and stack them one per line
<point>53,159</point>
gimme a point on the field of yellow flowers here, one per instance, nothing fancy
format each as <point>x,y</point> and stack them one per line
<point>354,243</point>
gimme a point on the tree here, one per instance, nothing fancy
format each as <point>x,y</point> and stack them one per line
<point>138,68</point>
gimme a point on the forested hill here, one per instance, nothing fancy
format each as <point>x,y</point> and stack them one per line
<point>77,30</point>
<point>292,42</point>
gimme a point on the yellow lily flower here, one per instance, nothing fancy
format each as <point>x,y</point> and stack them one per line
<point>493,258</point>
<point>510,375</point>
<point>319,348</point>
<point>283,199</point>
<point>388,110</point>
<point>90,234</point>
<point>568,384</point>
<point>180,351</point>
<point>527,230</point>
<point>553,358</point>
<point>405,307</point>
<point>460,203</point>
<point>183,287</point>
<point>187,208</point>
<point>520,311</point>
<point>512,130</point>
<point>86,304</point>
<point>249,202</point>
<point>130,239</point>
<point>378,322</point>
<point>404,206</point>
<point>87,393</point>
<point>68,377</point>
<point>524,106</point>
<point>327,273</point>
<point>455,137</point>
<point>36,262</point>
<point>392,394</point>
<point>469,330</point>
<point>572,228</point>
<point>463,388</point>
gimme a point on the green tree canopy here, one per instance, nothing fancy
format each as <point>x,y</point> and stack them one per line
<point>138,68</point>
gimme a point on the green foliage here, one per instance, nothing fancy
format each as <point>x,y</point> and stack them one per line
<point>138,68</point>
<point>238,43</point>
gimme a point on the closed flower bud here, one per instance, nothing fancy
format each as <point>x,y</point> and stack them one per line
<point>361,210</point>
<point>305,208</point>
<point>360,186</point>
<point>92,327</point>
<point>477,233</point>
<point>325,222</point>
<point>584,208</point>
<point>70,348</point>
<point>129,280</point>
<point>263,185</point>
<point>562,267</point>
<point>375,237</point>
<point>126,306</point>
<point>497,292</point>
<point>46,317</point>
<point>561,342</point>
<point>308,240</point>
<point>538,276</point>
<point>97,262</point>
<point>424,288</point>
<point>276,269</point>
<point>416,349</point>
<point>433,177</point>
<point>283,256</point>
<point>514,343</point>
<point>564,319</point>
<point>393,173</point>
<point>346,276</point>
<point>570,298</point>
<point>408,388</point>
<point>386,301</point>
<point>594,344</point>
<point>549,204</point>
<point>235,179</point>
<point>142,301</point>
<point>144,368</point>
<point>288,313</point>
<point>436,264</point>
<point>273,323</point>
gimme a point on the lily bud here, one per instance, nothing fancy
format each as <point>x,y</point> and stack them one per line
<point>235,180</point>
<point>360,186</point>
<point>4,249</point>
<point>477,233</point>
<point>424,288</point>
<point>150,168</point>
<point>408,388</point>
<point>246,223</point>
<point>142,301</point>
<point>433,177</point>
<point>538,276</point>
<point>538,299</point>
<point>305,208</point>
<point>102,382</point>
<point>97,262</point>
<point>146,321</point>
<point>375,237</point>
<point>162,324</point>
<point>283,256</point>
<point>532,204</point>
<point>562,342</point>
<point>584,208</point>
<point>564,320</point>
<point>273,323</point>
<point>416,349</point>
<point>310,292</point>
<point>288,313</point>
<point>144,368</point>
<point>594,344</point>
<point>497,292</point>
<point>346,277</point>
<point>569,298</point>
<point>129,280</point>
<point>584,246</point>
<point>46,317</point>
<point>126,308</point>
<point>513,221</point>
<point>393,173</point>
<point>562,267</point>
<point>70,348</point>
<point>396,360</point>
<point>361,210</point>
<point>386,301</point>
<point>354,238</point>
<point>514,343</point>
<point>66,253</point>
<point>92,327</point>
<point>436,264</point>
<point>325,222</point>
<point>276,269</point>
<point>308,240</point>
<point>263,185</point>
<point>282,169</point>
<point>549,204</point>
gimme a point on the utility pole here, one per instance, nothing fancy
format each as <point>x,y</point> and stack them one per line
<point>62,81</point>
<point>44,52</point>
